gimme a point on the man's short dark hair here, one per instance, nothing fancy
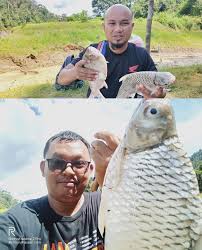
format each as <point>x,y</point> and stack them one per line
<point>68,136</point>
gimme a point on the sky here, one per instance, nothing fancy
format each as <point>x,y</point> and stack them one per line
<point>27,124</point>
<point>67,7</point>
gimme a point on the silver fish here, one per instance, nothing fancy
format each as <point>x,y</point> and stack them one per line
<point>150,197</point>
<point>150,79</point>
<point>97,62</point>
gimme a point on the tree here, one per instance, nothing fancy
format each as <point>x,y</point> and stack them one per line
<point>100,6</point>
<point>196,159</point>
<point>16,12</point>
<point>149,24</point>
<point>6,199</point>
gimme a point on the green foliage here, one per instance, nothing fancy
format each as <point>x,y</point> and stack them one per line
<point>6,200</point>
<point>88,187</point>
<point>175,7</point>
<point>140,8</point>
<point>196,159</point>
<point>82,16</point>
<point>100,6</point>
<point>18,12</point>
<point>175,22</point>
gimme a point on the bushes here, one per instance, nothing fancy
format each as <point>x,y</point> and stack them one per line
<point>182,22</point>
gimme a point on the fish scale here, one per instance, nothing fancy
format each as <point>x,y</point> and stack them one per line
<point>149,198</point>
<point>150,79</point>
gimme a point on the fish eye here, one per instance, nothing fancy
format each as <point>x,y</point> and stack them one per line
<point>153,111</point>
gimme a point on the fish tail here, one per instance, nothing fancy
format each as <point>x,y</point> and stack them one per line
<point>123,78</point>
<point>97,95</point>
<point>102,212</point>
<point>105,85</point>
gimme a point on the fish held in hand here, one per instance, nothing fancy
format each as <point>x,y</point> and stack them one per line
<point>150,79</point>
<point>150,197</point>
<point>95,60</point>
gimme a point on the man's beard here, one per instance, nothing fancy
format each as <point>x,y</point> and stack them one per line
<point>117,46</point>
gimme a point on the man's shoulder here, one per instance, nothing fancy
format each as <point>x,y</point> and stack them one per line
<point>25,209</point>
<point>93,198</point>
<point>137,49</point>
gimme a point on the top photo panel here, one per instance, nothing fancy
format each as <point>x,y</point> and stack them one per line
<point>100,49</point>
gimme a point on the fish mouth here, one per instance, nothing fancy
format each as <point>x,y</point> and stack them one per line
<point>173,78</point>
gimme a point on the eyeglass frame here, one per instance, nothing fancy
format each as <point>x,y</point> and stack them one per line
<point>72,166</point>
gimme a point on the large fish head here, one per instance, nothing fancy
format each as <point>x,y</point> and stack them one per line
<point>164,78</point>
<point>91,54</point>
<point>152,122</point>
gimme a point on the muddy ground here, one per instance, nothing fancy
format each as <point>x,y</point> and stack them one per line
<point>32,69</point>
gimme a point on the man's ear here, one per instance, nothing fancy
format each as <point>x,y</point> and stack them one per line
<point>133,25</point>
<point>42,167</point>
<point>92,166</point>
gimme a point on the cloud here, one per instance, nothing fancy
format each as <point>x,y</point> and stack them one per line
<point>190,133</point>
<point>18,136</point>
<point>68,7</point>
<point>27,124</point>
<point>60,4</point>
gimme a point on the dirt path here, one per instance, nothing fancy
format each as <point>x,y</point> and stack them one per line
<point>43,68</point>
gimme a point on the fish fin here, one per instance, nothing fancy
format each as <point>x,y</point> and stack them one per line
<point>97,95</point>
<point>102,211</point>
<point>123,78</point>
<point>198,245</point>
<point>105,85</point>
<point>114,169</point>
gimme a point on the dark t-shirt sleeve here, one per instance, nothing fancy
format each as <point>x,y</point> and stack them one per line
<point>78,58</point>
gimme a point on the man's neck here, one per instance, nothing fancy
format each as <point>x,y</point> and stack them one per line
<point>118,50</point>
<point>65,209</point>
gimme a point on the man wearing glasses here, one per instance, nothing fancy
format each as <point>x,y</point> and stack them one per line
<point>67,218</point>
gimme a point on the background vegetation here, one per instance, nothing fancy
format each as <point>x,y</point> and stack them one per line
<point>19,12</point>
<point>6,200</point>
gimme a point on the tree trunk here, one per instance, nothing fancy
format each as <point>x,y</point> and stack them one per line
<point>149,24</point>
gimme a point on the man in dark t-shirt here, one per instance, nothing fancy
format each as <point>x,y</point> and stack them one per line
<point>67,218</point>
<point>123,57</point>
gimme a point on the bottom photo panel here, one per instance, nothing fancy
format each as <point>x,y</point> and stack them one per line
<point>101,174</point>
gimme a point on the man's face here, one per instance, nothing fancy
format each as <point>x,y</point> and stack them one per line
<point>118,27</point>
<point>68,185</point>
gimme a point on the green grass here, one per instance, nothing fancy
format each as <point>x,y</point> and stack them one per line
<point>46,90</point>
<point>188,81</point>
<point>188,85</point>
<point>43,37</point>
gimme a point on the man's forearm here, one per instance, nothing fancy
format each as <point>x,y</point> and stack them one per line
<point>67,75</point>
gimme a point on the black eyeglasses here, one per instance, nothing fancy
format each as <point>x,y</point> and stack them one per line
<point>58,166</point>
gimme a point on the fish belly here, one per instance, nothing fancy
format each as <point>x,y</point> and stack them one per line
<point>155,204</point>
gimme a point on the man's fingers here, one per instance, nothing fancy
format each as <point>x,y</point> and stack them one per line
<point>80,63</point>
<point>145,92</point>
<point>101,148</point>
<point>110,139</point>
<point>159,92</point>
